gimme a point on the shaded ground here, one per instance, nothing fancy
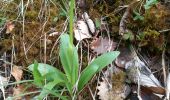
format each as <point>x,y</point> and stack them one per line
<point>25,29</point>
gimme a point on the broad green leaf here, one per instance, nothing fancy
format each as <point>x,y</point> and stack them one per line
<point>47,88</point>
<point>105,59</point>
<point>86,75</point>
<point>97,65</point>
<point>69,87</point>
<point>69,58</point>
<point>48,71</point>
<point>150,3</point>
<point>38,79</point>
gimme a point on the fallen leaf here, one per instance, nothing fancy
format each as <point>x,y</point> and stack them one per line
<point>157,90</point>
<point>18,91</point>
<point>89,22</point>
<point>9,27</point>
<point>110,89</point>
<point>137,70</point>
<point>17,73</point>
<point>81,31</point>
<point>146,94</point>
<point>102,45</point>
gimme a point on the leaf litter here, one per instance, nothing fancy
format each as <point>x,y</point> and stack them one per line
<point>141,32</point>
<point>101,45</point>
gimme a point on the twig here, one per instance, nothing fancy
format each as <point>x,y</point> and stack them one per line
<point>122,25</point>
<point>168,87</point>
<point>91,93</point>
<point>163,66</point>
<point>163,31</point>
<point>123,21</point>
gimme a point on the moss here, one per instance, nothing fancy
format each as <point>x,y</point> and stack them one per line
<point>118,80</point>
<point>27,44</point>
<point>155,18</point>
<point>152,39</point>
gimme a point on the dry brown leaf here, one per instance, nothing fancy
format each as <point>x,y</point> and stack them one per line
<point>17,73</point>
<point>102,45</point>
<point>157,90</point>
<point>17,91</point>
<point>146,94</point>
<point>9,27</point>
<point>81,31</point>
<point>114,88</point>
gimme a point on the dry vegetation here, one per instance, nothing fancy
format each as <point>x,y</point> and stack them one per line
<point>30,30</point>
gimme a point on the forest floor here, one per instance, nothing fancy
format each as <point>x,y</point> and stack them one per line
<point>140,29</point>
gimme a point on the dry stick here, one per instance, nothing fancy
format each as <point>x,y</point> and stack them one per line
<point>91,93</point>
<point>168,87</point>
<point>122,25</point>
<point>138,91</point>
<point>23,24</point>
<point>163,66</point>
<point>1,82</point>
<point>165,30</point>
<point>12,58</point>
<point>2,89</point>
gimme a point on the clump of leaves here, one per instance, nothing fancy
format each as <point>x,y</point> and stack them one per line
<point>150,3</point>
<point>2,21</point>
<point>70,79</point>
<point>128,36</point>
<point>137,16</point>
<point>151,38</point>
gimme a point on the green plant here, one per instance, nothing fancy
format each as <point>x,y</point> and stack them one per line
<point>53,81</point>
<point>150,3</point>
<point>128,36</point>
<point>97,23</point>
<point>137,16</point>
<point>70,79</point>
<point>2,21</point>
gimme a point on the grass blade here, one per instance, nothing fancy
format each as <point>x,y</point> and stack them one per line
<point>97,65</point>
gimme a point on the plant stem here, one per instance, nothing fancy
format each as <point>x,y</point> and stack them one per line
<point>71,13</point>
